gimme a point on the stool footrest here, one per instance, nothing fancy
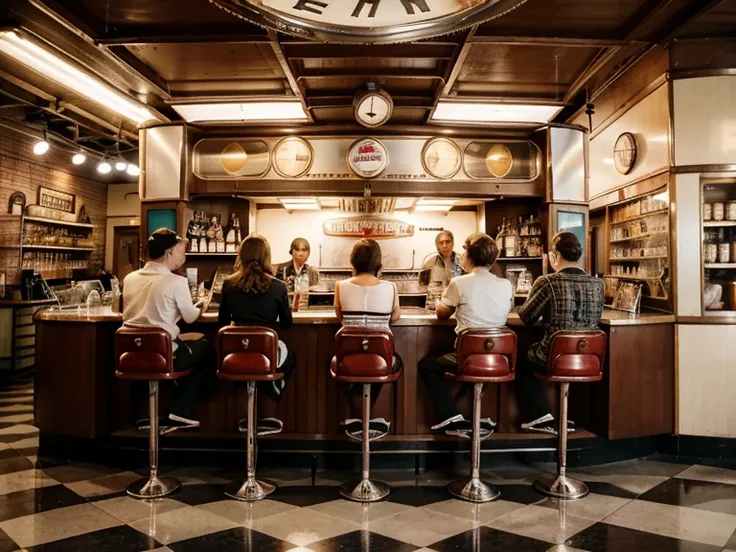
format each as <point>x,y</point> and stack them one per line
<point>364,490</point>
<point>561,486</point>
<point>473,490</point>
<point>154,487</point>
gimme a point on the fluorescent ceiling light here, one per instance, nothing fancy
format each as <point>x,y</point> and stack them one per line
<point>242,111</point>
<point>308,204</point>
<point>444,208</point>
<point>55,68</point>
<point>434,205</point>
<point>494,112</point>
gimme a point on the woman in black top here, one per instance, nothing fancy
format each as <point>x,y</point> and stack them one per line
<point>252,296</point>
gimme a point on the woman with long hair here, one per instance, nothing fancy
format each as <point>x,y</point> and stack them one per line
<point>366,301</point>
<point>252,296</point>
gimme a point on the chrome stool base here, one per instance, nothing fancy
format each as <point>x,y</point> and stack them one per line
<point>249,490</point>
<point>473,490</point>
<point>561,486</point>
<point>155,487</point>
<point>364,490</point>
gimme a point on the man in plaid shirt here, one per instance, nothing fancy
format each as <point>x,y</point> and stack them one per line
<point>569,299</point>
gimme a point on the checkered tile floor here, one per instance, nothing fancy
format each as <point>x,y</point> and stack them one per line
<point>647,505</point>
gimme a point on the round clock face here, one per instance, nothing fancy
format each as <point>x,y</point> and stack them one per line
<point>441,158</point>
<point>292,157</point>
<point>373,110</point>
<point>624,153</point>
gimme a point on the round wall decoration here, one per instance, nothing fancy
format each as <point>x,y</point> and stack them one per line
<point>373,108</point>
<point>441,158</point>
<point>499,160</point>
<point>233,158</point>
<point>367,21</point>
<point>367,157</point>
<point>292,157</point>
<point>624,153</point>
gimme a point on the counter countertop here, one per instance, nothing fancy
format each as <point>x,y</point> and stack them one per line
<point>410,317</point>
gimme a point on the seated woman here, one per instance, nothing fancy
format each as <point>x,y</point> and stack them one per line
<point>366,301</point>
<point>252,296</point>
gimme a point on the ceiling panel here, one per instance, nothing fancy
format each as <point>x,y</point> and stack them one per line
<point>527,70</point>
<point>148,12</point>
<point>573,18</point>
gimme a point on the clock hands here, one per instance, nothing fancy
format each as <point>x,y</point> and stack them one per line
<point>370,112</point>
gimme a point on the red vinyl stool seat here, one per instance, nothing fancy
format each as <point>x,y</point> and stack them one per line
<point>574,357</point>
<point>364,356</point>
<point>483,356</point>
<point>145,353</point>
<point>249,354</point>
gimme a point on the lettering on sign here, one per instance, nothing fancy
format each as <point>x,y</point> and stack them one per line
<point>367,157</point>
<point>368,20</point>
<point>368,227</point>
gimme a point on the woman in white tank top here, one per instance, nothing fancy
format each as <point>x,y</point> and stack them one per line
<point>366,301</point>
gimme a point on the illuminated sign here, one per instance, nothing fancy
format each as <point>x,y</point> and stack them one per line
<point>368,227</point>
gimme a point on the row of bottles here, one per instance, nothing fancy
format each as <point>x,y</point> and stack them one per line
<point>719,246</point>
<point>650,225</point>
<point>41,234</point>
<point>206,234</point>
<point>639,207</point>
<point>52,261</point>
<point>520,240</point>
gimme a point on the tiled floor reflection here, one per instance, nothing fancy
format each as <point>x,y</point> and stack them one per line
<point>648,505</point>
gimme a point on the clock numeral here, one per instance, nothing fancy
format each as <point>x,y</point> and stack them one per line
<point>408,6</point>
<point>362,3</point>
<point>314,6</point>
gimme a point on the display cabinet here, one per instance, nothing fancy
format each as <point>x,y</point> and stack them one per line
<point>718,254</point>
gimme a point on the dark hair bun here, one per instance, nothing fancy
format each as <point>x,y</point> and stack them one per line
<point>568,246</point>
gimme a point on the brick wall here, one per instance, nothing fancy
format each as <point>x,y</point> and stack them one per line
<point>21,170</point>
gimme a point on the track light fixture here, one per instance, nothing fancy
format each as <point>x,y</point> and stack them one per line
<point>79,158</point>
<point>42,146</point>
<point>104,167</point>
<point>133,170</point>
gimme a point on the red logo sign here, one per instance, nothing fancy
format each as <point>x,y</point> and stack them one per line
<point>368,148</point>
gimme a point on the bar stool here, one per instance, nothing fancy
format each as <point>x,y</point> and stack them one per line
<point>365,356</point>
<point>483,356</point>
<point>574,357</point>
<point>146,354</point>
<point>249,354</point>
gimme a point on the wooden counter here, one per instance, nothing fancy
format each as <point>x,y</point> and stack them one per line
<point>77,394</point>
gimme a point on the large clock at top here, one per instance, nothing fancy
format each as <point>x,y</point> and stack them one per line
<point>367,21</point>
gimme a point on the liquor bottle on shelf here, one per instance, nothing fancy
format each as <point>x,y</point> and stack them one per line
<point>501,238</point>
<point>511,242</point>
<point>710,248</point>
<point>724,246</point>
<point>231,245</point>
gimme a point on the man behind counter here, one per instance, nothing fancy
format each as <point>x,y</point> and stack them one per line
<point>446,264</point>
<point>297,266</point>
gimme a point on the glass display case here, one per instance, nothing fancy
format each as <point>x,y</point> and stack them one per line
<point>718,232</point>
<point>639,250</point>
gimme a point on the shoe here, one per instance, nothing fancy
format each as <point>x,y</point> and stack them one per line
<point>546,424</point>
<point>377,428</point>
<point>164,425</point>
<point>467,433</point>
<point>180,422</point>
<point>443,426</point>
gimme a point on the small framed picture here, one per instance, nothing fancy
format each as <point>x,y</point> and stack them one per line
<point>54,199</point>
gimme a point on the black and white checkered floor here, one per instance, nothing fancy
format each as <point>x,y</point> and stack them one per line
<point>645,505</point>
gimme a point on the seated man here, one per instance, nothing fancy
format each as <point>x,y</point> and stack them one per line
<point>297,267</point>
<point>569,299</point>
<point>155,296</point>
<point>478,300</point>
<point>446,264</point>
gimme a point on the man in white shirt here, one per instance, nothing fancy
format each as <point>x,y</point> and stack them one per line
<point>478,299</point>
<point>155,296</point>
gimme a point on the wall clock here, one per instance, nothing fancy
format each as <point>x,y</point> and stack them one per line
<point>624,153</point>
<point>373,108</point>
<point>441,158</point>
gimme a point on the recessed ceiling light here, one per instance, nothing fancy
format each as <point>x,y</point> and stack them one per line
<point>299,204</point>
<point>57,69</point>
<point>242,111</point>
<point>480,112</point>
